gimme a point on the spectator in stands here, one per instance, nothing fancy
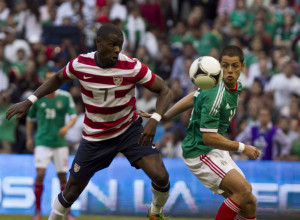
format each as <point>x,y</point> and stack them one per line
<point>134,28</point>
<point>4,12</point>
<point>70,8</point>
<point>188,51</point>
<point>284,84</point>
<point>8,128</point>
<point>295,151</point>
<point>30,23</point>
<point>270,140</point>
<point>284,123</point>
<point>4,70</point>
<point>13,45</point>
<point>164,62</point>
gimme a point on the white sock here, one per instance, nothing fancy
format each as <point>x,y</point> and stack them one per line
<point>58,211</point>
<point>159,198</point>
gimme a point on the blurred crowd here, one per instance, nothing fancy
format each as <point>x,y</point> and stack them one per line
<point>167,35</point>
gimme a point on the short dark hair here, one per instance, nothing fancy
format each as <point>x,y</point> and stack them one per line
<point>108,29</point>
<point>232,51</point>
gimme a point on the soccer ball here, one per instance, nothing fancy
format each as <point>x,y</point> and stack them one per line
<point>206,72</point>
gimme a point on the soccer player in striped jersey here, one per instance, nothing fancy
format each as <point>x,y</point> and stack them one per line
<point>206,150</point>
<point>50,143</point>
<point>108,79</point>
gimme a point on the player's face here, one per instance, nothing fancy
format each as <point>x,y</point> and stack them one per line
<point>232,68</point>
<point>108,50</point>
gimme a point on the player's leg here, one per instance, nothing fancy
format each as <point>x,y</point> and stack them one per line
<point>153,166</point>
<point>241,196</point>
<point>215,168</point>
<point>148,159</point>
<point>90,157</point>
<point>42,157</point>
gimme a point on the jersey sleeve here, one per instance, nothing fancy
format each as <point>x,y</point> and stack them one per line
<point>68,71</point>
<point>210,112</point>
<point>144,75</point>
<point>32,112</point>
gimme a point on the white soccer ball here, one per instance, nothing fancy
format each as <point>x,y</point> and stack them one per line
<point>206,72</point>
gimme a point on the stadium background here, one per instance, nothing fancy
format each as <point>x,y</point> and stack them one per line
<point>37,35</point>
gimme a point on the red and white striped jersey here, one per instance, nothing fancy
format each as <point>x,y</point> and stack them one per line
<point>108,93</point>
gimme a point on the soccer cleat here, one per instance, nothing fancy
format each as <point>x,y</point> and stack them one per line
<point>155,217</point>
<point>70,217</point>
<point>37,215</point>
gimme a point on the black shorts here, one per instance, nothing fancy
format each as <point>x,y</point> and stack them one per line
<point>93,156</point>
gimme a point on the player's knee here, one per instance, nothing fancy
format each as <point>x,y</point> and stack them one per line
<point>161,179</point>
<point>70,196</point>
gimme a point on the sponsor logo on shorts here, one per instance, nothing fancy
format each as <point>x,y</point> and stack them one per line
<point>153,146</point>
<point>76,167</point>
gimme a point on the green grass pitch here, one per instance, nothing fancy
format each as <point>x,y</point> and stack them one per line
<point>26,217</point>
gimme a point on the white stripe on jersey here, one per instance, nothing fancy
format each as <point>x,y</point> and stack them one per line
<point>218,100</point>
<point>106,118</point>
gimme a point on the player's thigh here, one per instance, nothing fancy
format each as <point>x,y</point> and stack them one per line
<point>93,156</point>
<point>235,183</point>
<point>211,169</point>
<point>42,156</point>
<point>60,159</point>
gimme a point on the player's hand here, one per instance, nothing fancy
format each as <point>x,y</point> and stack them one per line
<point>251,152</point>
<point>63,131</point>
<point>19,109</point>
<point>29,144</point>
<point>148,133</point>
<point>144,114</point>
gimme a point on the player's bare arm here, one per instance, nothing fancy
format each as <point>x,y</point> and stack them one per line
<point>216,140</point>
<point>46,88</point>
<point>63,131</point>
<point>164,99</point>
<point>181,106</point>
<point>29,140</point>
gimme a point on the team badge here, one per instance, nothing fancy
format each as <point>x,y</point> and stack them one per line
<point>118,80</point>
<point>59,104</point>
<point>76,167</point>
<point>43,105</point>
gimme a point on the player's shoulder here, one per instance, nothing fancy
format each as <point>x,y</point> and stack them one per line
<point>214,91</point>
<point>88,55</point>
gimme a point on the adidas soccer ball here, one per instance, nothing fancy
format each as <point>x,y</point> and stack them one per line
<point>206,72</point>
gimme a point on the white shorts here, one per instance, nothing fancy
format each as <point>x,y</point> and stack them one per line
<point>59,156</point>
<point>212,167</point>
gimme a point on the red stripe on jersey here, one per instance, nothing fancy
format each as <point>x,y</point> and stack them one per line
<point>125,65</point>
<point>87,61</point>
<point>109,110</point>
<point>105,125</point>
<point>122,93</point>
<point>113,131</point>
<point>141,74</point>
<point>150,82</point>
<point>86,92</point>
<point>65,75</point>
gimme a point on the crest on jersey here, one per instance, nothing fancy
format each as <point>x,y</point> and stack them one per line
<point>59,104</point>
<point>76,167</point>
<point>118,80</point>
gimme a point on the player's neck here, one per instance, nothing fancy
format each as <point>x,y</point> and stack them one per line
<point>51,95</point>
<point>231,86</point>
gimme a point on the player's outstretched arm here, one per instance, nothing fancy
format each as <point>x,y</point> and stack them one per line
<point>164,100</point>
<point>46,88</point>
<point>182,105</point>
<point>216,140</point>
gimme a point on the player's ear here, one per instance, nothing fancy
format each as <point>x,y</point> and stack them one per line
<point>243,65</point>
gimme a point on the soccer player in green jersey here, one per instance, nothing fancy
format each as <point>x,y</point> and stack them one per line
<point>206,150</point>
<point>49,141</point>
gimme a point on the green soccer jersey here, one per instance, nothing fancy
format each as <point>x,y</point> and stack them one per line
<point>50,116</point>
<point>213,111</point>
